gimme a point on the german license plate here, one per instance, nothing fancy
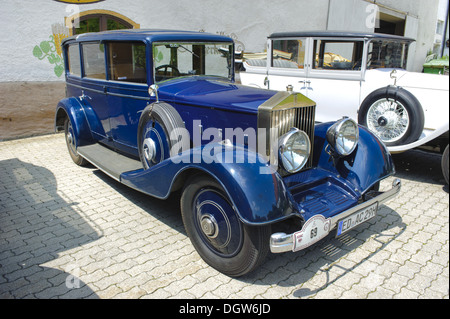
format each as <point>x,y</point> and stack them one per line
<point>357,219</point>
<point>315,229</point>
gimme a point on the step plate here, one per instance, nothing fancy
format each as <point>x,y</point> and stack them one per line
<point>108,161</point>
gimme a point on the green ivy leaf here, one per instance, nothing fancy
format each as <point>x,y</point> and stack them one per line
<point>58,70</point>
<point>37,52</point>
<point>45,46</point>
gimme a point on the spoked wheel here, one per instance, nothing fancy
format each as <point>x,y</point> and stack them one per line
<point>394,115</point>
<point>71,143</point>
<point>388,119</point>
<point>216,231</point>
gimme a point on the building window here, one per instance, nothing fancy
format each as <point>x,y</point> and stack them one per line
<point>98,20</point>
<point>97,23</point>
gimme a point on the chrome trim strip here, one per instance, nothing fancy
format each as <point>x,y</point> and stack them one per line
<point>281,242</point>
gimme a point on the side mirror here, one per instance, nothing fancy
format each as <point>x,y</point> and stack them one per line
<point>153,91</point>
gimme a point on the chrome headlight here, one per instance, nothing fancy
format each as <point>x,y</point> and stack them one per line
<point>294,150</point>
<point>343,136</point>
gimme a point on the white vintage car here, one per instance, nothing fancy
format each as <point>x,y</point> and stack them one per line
<point>361,76</point>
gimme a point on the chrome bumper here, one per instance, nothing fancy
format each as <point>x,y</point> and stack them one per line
<point>281,242</point>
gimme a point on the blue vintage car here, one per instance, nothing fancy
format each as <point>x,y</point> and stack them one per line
<point>159,111</point>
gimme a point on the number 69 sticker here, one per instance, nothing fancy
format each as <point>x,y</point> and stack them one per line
<point>315,229</point>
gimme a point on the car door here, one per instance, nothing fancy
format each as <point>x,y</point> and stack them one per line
<point>287,64</point>
<point>334,77</point>
<point>93,93</point>
<point>127,92</point>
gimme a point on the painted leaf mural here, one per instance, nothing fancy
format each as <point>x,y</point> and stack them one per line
<point>51,49</point>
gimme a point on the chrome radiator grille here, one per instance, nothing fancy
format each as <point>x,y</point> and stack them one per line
<point>283,112</point>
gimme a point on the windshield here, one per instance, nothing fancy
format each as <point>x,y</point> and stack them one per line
<point>176,59</point>
<point>387,54</point>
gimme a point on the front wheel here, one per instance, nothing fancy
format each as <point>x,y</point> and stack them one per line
<point>216,231</point>
<point>445,164</point>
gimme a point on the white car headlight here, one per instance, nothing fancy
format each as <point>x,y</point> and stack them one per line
<point>294,150</point>
<point>343,136</point>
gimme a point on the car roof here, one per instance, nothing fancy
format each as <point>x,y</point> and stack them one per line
<point>338,34</point>
<point>148,35</point>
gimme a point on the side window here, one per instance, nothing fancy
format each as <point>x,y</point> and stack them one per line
<point>338,55</point>
<point>289,54</point>
<point>127,62</point>
<point>94,60</point>
<point>73,60</point>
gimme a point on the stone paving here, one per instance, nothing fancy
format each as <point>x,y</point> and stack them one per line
<point>73,232</point>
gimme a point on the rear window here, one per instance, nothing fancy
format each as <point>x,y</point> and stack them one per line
<point>94,60</point>
<point>73,60</point>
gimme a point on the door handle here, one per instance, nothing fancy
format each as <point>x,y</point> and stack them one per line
<point>84,96</point>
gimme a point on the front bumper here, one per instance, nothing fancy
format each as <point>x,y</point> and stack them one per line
<point>281,242</point>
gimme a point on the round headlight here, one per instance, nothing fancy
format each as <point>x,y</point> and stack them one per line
<point>294,150</point>
<point>343,136</point>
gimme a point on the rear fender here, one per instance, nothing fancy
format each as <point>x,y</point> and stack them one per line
<point>73,109</point>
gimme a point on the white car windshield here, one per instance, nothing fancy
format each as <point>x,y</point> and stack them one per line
<point>177,59</point>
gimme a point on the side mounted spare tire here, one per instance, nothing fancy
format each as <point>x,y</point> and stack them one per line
<point>394,115</point>
<point>160,129</point>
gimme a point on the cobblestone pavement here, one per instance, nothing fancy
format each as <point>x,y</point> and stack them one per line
<point>72,232</point>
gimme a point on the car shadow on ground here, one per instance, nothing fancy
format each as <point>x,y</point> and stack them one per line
<point>420,166</point>
<point>323,263</point>
<point>36,224</point>
<point>167,211</point>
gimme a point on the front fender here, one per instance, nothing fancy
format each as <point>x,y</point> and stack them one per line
<point>73,109</point>
<point>369,163</point>
<point>260,197</point>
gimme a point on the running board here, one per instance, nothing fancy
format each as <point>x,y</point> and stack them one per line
<point>108,161</point>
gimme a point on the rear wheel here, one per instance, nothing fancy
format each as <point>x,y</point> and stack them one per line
<point>216,231</point>
<point>71,143</point>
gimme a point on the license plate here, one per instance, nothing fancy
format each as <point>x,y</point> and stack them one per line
<point>357,219</point>
<point>315,229</point>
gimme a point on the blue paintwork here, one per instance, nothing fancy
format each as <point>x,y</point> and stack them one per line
<point>109,112</point>
<point>268,198</point>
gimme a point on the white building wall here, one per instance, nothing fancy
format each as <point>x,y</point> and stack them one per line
<point>26,23</point>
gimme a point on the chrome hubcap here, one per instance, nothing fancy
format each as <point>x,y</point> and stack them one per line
<point>388,119</point>
<point>70,138</point>
<point>149,149</point>
<point>209,226</point>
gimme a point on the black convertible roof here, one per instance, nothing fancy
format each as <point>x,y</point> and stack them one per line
<point>338,34</point>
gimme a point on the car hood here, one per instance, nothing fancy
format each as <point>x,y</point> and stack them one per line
<point>210,92</point>
<point>408,79</point>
